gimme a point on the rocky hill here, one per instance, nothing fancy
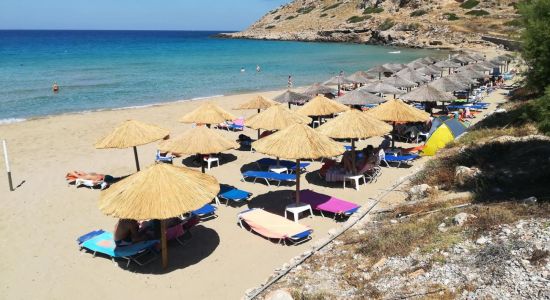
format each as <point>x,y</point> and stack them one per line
<point>410,23</point>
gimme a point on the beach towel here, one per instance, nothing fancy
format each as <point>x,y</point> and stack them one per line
<point>327,203</point>
<point>272,226</point>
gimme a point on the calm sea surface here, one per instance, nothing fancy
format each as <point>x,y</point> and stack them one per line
<point>113,69</point>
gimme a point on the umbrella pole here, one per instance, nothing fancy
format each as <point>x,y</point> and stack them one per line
<point>288,105</point>
<point>163,246</point>
<point>258,134</point>
<point>297,181</point>
<point>393,136</point>
<point>136,157</point>
<point>201,161</point>
<point>353,156</point>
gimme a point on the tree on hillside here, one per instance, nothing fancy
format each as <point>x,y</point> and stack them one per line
<point>536,42</point>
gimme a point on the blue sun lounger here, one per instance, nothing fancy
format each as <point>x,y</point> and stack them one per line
<point>290,165</point>
<point>399,159</point>
<point>206,212</point>
<point>229,193</point>
<point>102,242</point>
<point>269,176</point>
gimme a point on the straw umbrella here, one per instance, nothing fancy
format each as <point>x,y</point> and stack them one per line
<point>159,192</point>
<point>412,75</point>
<point>380,69</point>
<point>258,103</point>
<point>398,111</point>
<point>132,133</point>
<point>427,93</point>
<point>395,67</point>
<point>381,87</point>
<point>447,84</point>
<point>338,80</point>
<point>360,77</point>
<point>360,97</point>
<point>208,113</point>
<point>400,82</point>
<point>292,97</point>
<point>321,106</point>
<point>447,64</point>
<point>416,64</point>
<point>430,70</point>
<point>198,140</point>
<point>298,142</point>
<point>277,117</point>
<point>317,89</point>
<point>354,124</point>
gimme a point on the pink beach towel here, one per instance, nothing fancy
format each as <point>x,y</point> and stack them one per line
<point>326,203</point>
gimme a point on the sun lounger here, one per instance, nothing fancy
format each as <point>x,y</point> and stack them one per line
<point>290,165</point>
<point>269,176</point>
<point>229,193</point>
<point>206,212</point>
<point>165,159</point>
<point>325,203</point>
<point>272,226</point>
<point>237,125</point>
<point>90,180</point>
<point>103,243</point>
<point>399,159</point>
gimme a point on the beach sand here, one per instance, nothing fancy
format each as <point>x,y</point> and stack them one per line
<point>40,221</point>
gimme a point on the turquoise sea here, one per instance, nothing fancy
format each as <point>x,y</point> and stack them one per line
<point>113,69</point>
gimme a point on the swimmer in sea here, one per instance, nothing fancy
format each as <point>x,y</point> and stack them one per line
<point>55,87</point>
<point>258,69</point>
<point>242,69</point>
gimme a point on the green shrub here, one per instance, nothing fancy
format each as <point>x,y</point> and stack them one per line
<point>478,12</point>
<point>513,23</point>
<point>387,24</point>
<point>305,10</point>
<point>323,15</point>
<point>409,27</point>
<point>451,16</point>
<point>356,19</point>
<point>373,10</point>
<point>418,12</point>
<point>335,5</point>
<point>277,17</point>
<point>290,17</point>
<point>270,27</point>
<point>469,4</point>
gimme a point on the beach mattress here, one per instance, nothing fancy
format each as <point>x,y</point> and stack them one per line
<point>284,163</point>
<point>104,243</point>
<point>327,203</point>
<point>273,226</point>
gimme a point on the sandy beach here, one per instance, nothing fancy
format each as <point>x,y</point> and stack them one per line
<point>40,221</point>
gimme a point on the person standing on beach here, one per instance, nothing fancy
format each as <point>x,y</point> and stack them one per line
<point>289,81</point>
<point>55,87</point>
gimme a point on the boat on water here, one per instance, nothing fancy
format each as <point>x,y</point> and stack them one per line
<point>394,52</point>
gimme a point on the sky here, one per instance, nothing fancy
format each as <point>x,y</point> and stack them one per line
<point>133,14</point>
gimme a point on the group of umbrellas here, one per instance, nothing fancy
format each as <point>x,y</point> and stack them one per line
<point>164,191</point>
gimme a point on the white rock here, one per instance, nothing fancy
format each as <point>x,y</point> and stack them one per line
<point>461,218</point>
<point>464,174</point>
<point>418,192</point>
<point>279,295</point>
<point>482,240</point>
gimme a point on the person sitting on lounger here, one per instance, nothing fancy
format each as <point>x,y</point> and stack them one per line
<point>127,232</point>
<point>386,143</point>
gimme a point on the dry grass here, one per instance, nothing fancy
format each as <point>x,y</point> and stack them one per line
<point>539,257</point>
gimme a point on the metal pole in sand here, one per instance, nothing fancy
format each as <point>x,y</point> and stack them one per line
<point>7,164</point>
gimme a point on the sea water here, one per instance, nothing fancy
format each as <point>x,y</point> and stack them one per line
<point>99,70</point>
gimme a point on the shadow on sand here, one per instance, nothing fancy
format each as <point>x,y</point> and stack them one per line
<point>192,161</point>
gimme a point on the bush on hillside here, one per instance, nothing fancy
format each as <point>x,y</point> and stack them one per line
<point>451,16</point>
<point>323,15</point>
<point>373,10</point>
<point>418,12</point>
<point>335,5</point>
<point>270,27</point>
<point>357,19</point>
<point>290,17</point>
<point>305,10</point>
<point>478,12</point>
<point>387,24</point>
<point>536,42</point>
<point>469,4</point>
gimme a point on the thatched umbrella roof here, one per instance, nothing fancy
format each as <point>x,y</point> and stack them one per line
<point>258,102</point>
<point>447,84</point>
<point>321,106</point>
<point>427,70</point>
<point>462,58</point>
<point>292,97</point>
<point>475,67</point>
<point>277,117</point>
<point>354,124</point>
<point>415,64</point>
<point>396,110</point>
<point>462,78</point>
<point>427,93</point>
<point>198,140</point>
<point>430,60</point>
<point>379,69</point>
<point>317,89</point>
<point>360,77</point>
<point>412,75</point>
<point>162,191</point>
<point>337,80</point>
<point>132,133</point>
<point>381,87</point>
<point>400,82</point>
<point>447,64</point>
<point>207,113</point>
<point>476,56</point>
<point>360,97</point>
<point>471,73</point>
<point>488,64</point>
<point>297,142</point>
<point>498,62</point>
<point>395,67</point>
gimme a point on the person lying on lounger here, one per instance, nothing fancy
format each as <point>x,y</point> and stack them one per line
<point>127,232</point>
<point>74,175</point>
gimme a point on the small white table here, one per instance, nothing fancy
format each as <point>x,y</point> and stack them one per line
<point>297,208</point>
<point>278,169</point>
